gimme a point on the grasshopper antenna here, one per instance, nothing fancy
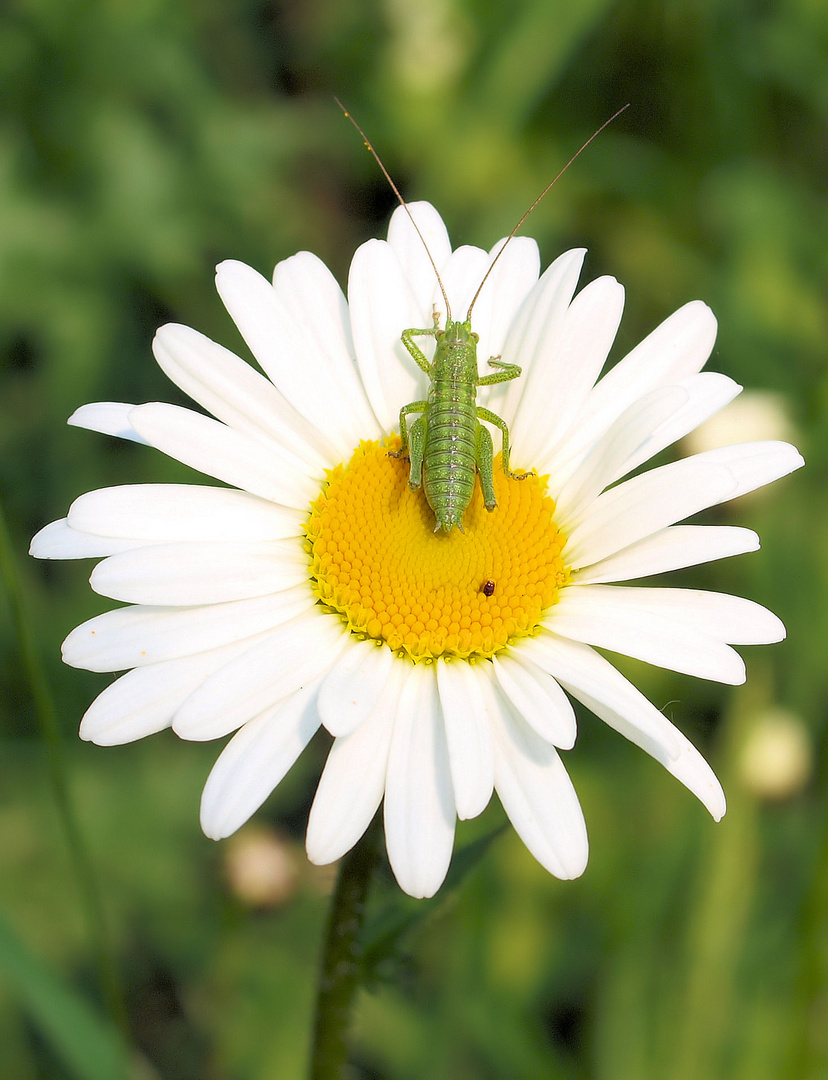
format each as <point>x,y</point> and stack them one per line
<point>545,191</point>
<point>404,204</point>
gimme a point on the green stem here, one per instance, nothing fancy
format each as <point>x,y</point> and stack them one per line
<point>46,714</point>
<point>342,969</point>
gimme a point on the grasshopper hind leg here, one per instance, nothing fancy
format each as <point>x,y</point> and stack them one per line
<point>484,453</point>
<point>416,449</point>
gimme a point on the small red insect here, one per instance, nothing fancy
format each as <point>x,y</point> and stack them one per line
<point>488,588</point>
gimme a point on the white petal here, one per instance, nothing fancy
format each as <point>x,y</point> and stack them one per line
<point>536,697</point>
<point>538,796</point>
<point>207,573</point>
<point>410,249</point>
<point>676,349</point>
<point>255,761</point>
<point>419,801</point>
<point>108,418</point>
<point>690,769</point>
<point>284,661</point>
<point>671,549</point>
<point>646,504</point>
<point>466,699</point>
<point>535,324</point>
<point>622,619</point>
<point>144,701</point>
<point>137,636</point>
<point>310,292</point>
<point>351,689</point>
<point>728,618</point>
<point>507,287</point>
<point>754,464</point>
<point>461,276</point>
<point>382,306</point>
<point>58,541</point>
<point>702,395</point>
<point>575,352</point>
<point>353,781</point>
<point>607,460</point>
<point>174,512</point>
<point>289,353</point>
<point>604,690</point>
<point>707,393</point>
<point>130,708</point>
<point>217,450</point>
<point>230,389</point>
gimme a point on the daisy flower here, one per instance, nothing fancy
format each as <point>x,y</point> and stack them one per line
<point>312,589</point>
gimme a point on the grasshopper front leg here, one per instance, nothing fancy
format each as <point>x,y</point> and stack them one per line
<point>509,372</point>
<point>420,357</point>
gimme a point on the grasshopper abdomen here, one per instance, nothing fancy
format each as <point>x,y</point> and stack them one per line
<point>449,460</point>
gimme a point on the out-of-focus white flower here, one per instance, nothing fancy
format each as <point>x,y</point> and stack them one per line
<point>260,867</point>
<point>777,758</point>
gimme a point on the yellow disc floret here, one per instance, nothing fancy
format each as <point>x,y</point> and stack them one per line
<point>376,559</point>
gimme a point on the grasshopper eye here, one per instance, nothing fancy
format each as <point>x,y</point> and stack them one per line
<point>475,336</point>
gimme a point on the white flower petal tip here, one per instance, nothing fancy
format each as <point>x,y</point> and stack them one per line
<point>114,732</point>
<point>225,635</point>
<point>53,541</point>
<point>154,513</point>
<point>671,549</point>
<point>255,760</point>
<point>692,770</point>
<point>232,270</point>
<point>108,723</point>
<point>753,465</point>
<point>680,629</point>
<point>353,780</point>
<point>107,418</point>
<point>141,636</point>
<point>59,540</point>
<point>539,798</point>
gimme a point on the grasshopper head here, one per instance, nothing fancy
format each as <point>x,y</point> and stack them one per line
<point>458,335</point>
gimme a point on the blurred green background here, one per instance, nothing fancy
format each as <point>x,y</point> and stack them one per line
<point>142,142</point>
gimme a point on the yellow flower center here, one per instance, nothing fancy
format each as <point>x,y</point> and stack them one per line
<point>376,559</point>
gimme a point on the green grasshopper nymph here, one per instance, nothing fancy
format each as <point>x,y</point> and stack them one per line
<point>447,444</point>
